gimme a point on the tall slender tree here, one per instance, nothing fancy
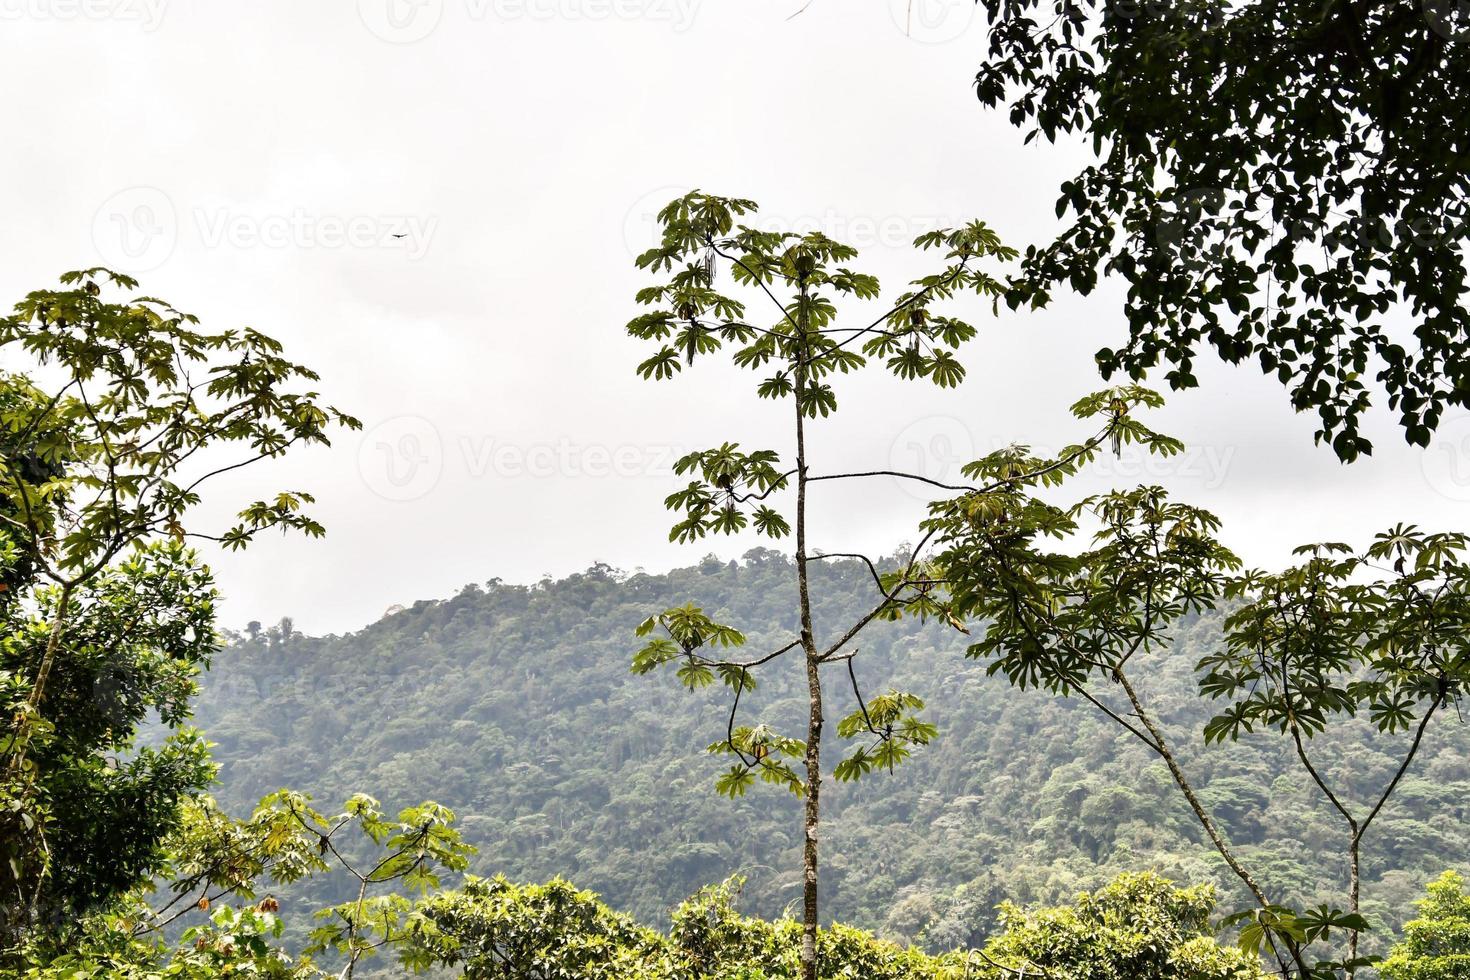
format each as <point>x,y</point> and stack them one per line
<point>801,350</point>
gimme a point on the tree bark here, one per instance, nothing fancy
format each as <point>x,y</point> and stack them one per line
<point>1161,746</point>
<point>812,818</point>
<point>38,691</point>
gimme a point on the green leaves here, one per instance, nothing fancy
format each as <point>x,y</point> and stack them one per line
<point>1435,944</point>
<point>1381,632</point>
<point>1060,617</point>
<point>139,391</point>
<point>762,754</point>
<point>890,718</point>
<point>720,500</point>
<point>1259,191</point>
<point>125,412</point>
<point>800,280</point>
<point>687,630</point>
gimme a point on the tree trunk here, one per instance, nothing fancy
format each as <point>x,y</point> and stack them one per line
<point>812,818</point>
<point>38,691</point>
<point>1161,746</point>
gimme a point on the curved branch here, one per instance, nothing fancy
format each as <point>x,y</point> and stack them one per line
<point>900,475</point>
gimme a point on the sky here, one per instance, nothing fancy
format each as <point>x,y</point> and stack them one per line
<point>252,163</point>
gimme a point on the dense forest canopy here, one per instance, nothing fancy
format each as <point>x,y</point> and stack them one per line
<point>514,706</point>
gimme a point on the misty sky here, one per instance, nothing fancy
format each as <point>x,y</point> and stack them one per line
<point>251,163</point>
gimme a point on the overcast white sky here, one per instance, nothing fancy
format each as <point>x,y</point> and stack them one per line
<point>250,161</point>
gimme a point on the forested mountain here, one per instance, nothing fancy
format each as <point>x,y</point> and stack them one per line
<point>514,706</point>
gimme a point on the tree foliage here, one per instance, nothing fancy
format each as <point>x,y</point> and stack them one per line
<point>1283,182</point>
<point>1436,945</point>
<point>1383,632</point>
<point>117,417</point>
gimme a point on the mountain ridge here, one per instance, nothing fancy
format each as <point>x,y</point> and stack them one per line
<point>515,706</point>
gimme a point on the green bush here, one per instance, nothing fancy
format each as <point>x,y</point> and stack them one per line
<point>1140,928</point>
<point>1436,945</point>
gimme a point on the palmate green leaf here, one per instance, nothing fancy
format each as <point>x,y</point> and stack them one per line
<point>820,400</point>
<point>695,675</point>
<point>856,765</point>
<point>735,781</point>
<point>737,678</point>
<point>779,386</point>
<point>661,366</point>
<point>909,364</point>
<point>689,530</point>
<point>945,371</point>
<point>657,653</point>
<point>729,520</point>
<point>770,523</point>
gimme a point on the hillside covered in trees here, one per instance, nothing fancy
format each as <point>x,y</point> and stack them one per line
<point>515,706</point>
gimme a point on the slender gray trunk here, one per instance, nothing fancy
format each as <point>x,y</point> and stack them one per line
<point>812,818</point>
